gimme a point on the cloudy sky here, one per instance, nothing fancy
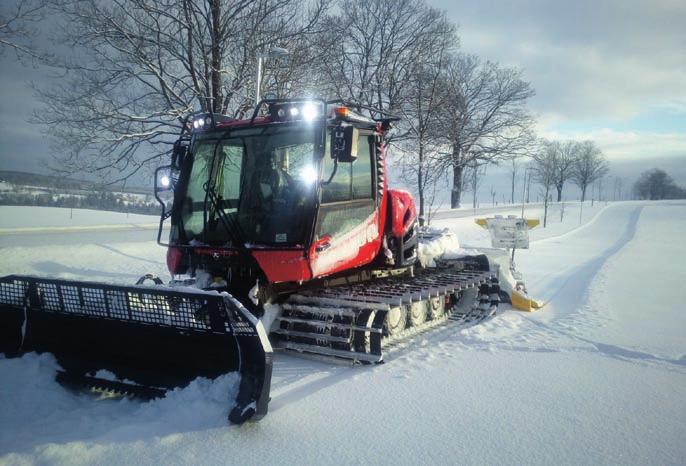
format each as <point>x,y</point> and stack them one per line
<point>612,71</point>
<point>609,70</point>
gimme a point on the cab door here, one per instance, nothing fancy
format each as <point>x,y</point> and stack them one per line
<point>347,228</point>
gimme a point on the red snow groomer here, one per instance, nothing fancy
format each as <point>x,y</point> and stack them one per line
<point>280,224</point>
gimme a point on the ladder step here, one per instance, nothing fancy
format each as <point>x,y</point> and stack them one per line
<point>367,303</point>
<point>323,350</point>
<point>314,336</point>
<point>318,310</point>
<point>322,323</point>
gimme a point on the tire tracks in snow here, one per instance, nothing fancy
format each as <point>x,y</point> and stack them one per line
<point>584,274</point>
<point>576,287</point>
<point>594,347</point>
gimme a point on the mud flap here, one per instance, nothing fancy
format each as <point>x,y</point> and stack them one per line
<point>156,337</point>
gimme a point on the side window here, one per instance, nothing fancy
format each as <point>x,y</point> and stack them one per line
<point>352,180</point>
<point>348,200</point>
<point>339,188</point>
<point>362,170</point>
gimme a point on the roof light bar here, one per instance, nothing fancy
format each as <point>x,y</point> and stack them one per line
<point>292,111</point>
<point>204,121</point>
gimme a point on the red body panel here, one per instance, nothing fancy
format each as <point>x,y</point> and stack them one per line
<point>403,211</point>
<point>356,248</point>
<point>283,266</point>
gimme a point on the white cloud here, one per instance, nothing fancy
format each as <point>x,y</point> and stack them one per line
<point>625,145</point>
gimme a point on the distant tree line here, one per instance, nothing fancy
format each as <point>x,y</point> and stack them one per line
<point>64,183</point>
<point>97,201</point>
<point>656,184</point>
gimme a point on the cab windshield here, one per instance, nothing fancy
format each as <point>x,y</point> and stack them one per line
<point>255,185</point>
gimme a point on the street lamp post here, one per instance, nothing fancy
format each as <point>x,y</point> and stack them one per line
<point>273,52</point>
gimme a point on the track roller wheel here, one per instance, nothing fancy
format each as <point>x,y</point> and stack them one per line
<point>396,321</point>
<point>437,307</point>
<point>418,313</point>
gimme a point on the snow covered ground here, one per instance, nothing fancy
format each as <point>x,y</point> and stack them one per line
<point>598,376</point>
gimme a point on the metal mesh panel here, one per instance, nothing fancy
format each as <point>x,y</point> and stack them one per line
<point>12,292</point>
<point>163,307</point>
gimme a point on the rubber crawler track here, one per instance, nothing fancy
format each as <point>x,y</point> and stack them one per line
<point>349,322</point>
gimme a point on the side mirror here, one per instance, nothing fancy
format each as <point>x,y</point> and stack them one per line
<point>164,188</point>
<point>344,143</point>
<point>178,154</point>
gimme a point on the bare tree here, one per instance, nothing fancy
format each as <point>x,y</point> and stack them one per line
<point>590,165</point>
<point>528,184</point>
<point>430,198</point>
<point>544,167</point>
<point>16,30</point>
<point>485,119</point>
<point>566,158</point>
<point>372,49</point>
<point>139,66</point>
<point>617,190</point>
<point>475,172</point>
<point>423,99</point>
<point>514,168</point>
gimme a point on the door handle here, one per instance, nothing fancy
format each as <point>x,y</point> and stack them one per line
<point>322,247</point>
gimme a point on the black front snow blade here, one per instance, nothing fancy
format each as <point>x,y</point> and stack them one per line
<point>155,336</point>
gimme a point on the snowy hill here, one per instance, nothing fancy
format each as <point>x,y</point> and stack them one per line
<point>598,376</point>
